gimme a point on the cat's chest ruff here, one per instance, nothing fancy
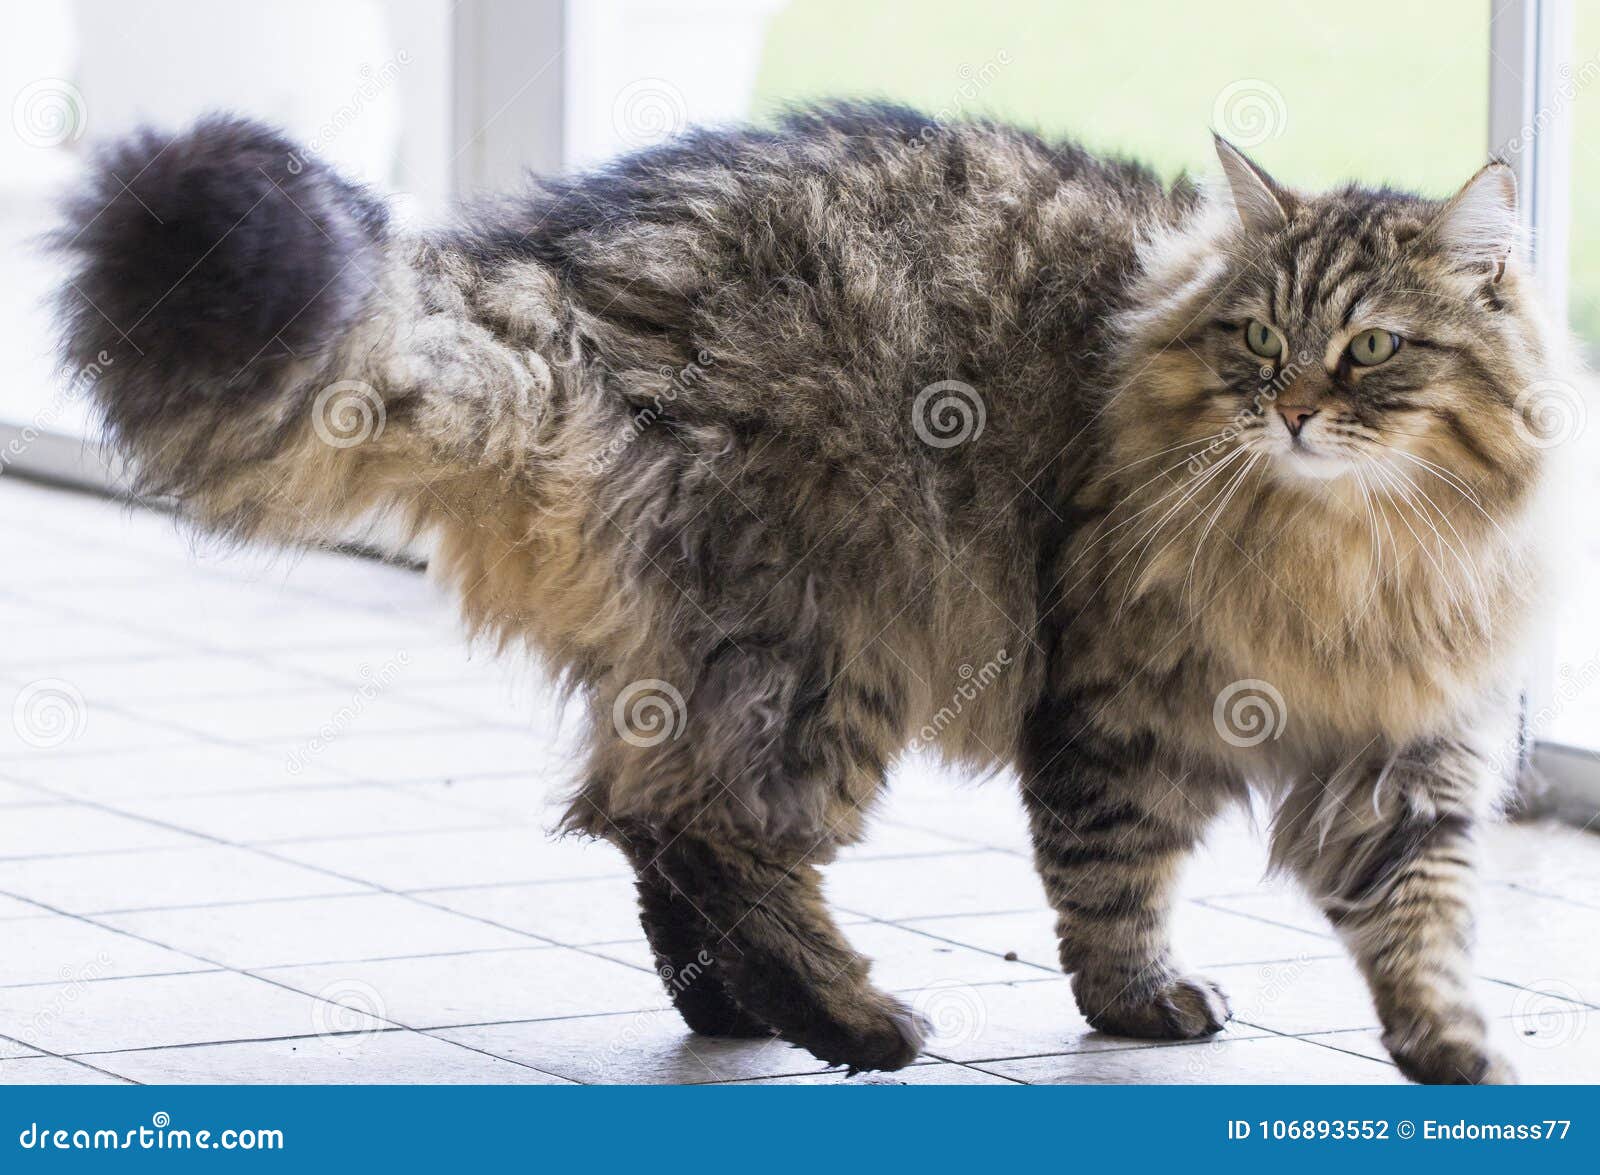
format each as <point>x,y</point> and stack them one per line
<point>1390,667</point>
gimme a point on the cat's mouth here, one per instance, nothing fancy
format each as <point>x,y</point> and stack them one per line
<point>1300,459</point>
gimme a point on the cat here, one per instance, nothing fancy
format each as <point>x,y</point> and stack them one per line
<point>761,439</point>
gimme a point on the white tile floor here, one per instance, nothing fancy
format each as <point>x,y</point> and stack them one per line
<point>290,832</point>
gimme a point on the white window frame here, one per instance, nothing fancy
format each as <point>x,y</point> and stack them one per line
<point>1530,127</point>
<point>509,91</point>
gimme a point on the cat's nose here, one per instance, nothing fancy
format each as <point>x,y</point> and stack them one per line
<point>1295,418</point>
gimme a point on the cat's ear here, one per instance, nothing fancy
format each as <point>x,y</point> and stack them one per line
<point>1262,205</point>
<point>1479,223</point>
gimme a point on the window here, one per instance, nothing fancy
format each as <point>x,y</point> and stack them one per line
<point>368,91</point>
<point>1319,94</point>
<point>1569,713</point>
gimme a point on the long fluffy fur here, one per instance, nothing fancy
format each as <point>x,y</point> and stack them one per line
<point>669,424</point>
<point>175,237</point>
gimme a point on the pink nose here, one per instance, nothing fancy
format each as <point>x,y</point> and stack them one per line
<point>1295,418</point>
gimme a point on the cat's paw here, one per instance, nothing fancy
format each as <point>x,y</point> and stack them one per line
<point>1180,1008</point>
<point>880,1034</point>
<point>893,1041</point>
<point>1453,1062</point>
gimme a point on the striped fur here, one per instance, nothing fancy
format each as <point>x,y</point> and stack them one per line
<point>661,423</point>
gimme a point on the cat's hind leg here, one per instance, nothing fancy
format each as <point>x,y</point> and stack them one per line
<point>681,939</point>
<point>783,958</point>
<point>757,772</point>
<point>1111,830</point>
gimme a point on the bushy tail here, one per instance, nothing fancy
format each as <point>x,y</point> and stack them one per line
<point>209,262</point>
<point>258,340</point>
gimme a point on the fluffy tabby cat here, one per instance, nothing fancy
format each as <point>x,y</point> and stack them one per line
<point>762,438</point>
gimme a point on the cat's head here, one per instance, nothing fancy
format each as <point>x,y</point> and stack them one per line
<point>1357,336</point>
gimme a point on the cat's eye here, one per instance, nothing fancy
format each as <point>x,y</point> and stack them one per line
<point>1262,340</point>
<point>1372,347</point>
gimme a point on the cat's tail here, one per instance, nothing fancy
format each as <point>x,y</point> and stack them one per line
<point>264,346</point>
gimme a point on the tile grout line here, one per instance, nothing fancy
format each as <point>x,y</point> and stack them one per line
<point>243,973</point>
<point>71,1060</point>
<point>373,886</point>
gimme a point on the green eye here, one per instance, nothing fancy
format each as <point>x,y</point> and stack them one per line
<point>1372,347</point>
<point>1263,340</point>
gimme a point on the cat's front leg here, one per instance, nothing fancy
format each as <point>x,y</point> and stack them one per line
<point>1111,830</point>
<point>1388,850</point>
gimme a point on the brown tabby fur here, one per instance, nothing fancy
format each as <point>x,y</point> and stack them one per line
<point>666,425</point>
